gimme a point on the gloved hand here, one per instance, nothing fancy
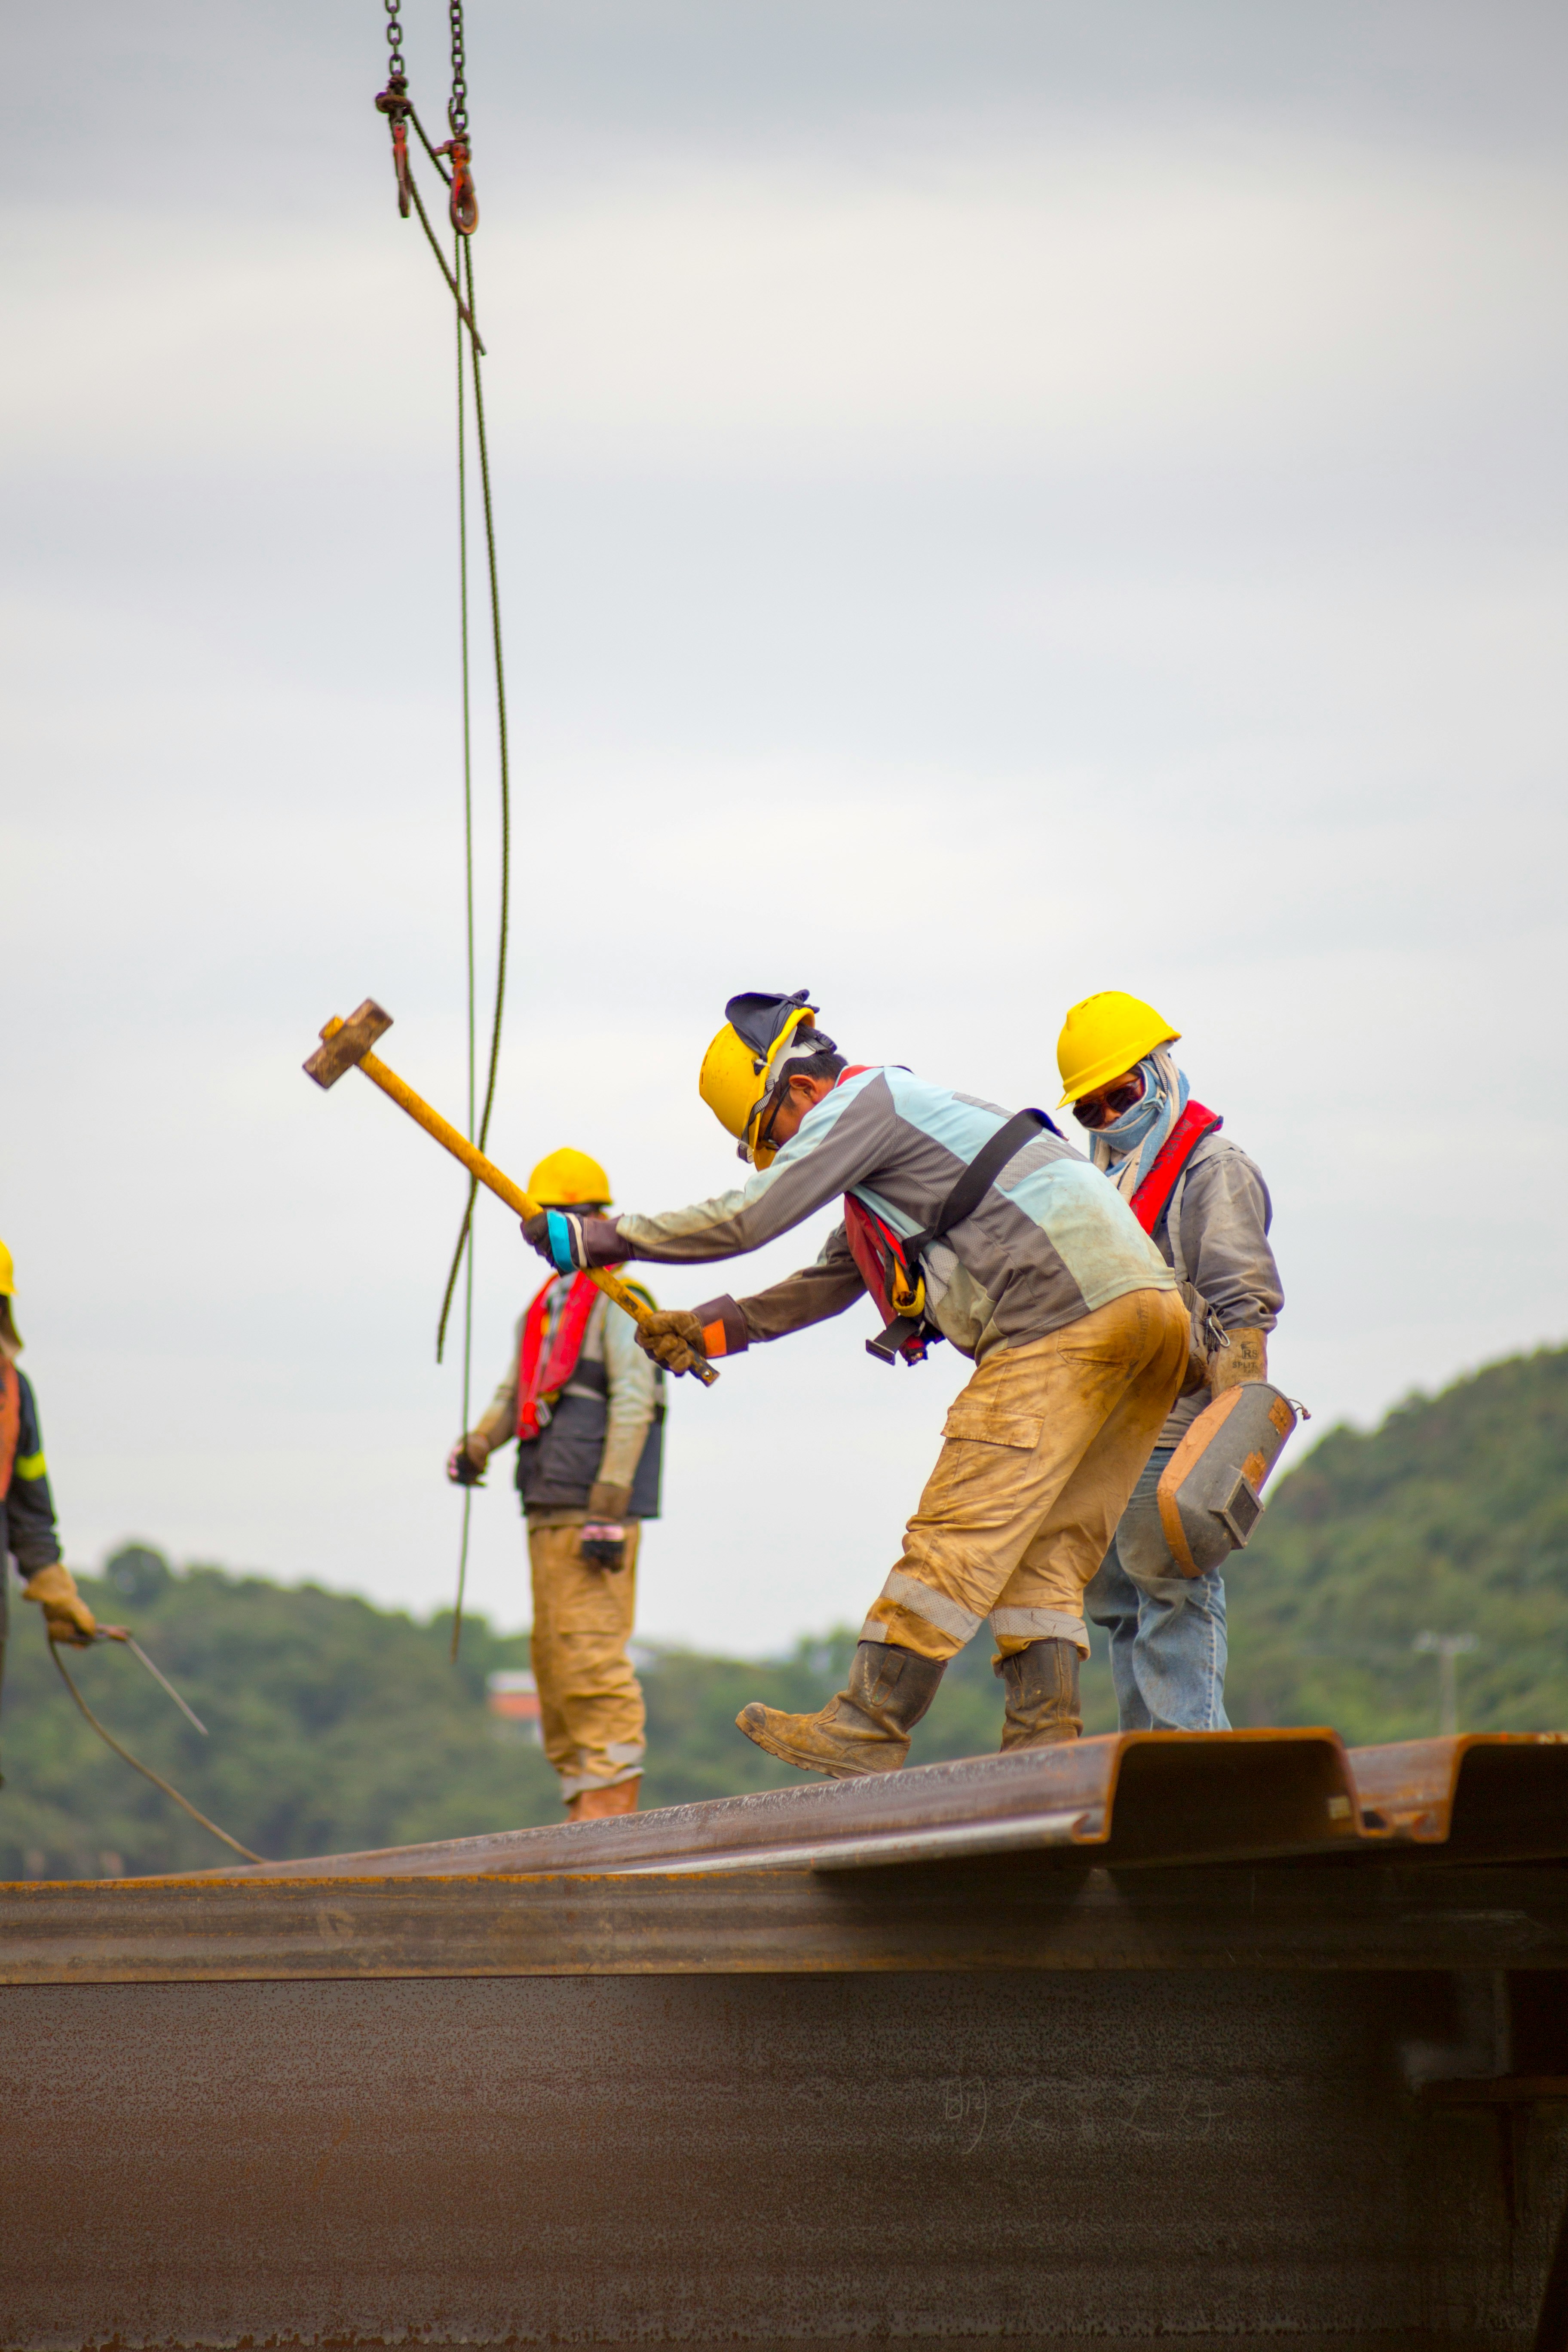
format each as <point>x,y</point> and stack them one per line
<point>466,1462</point>
<point>608,1501</point>
<point>673,1338</point>
<point>66,1617</point>
<point>1246,1358</point>
<point>572,1244</point>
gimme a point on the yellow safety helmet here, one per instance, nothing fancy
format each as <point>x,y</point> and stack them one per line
<point>740,1066</point>
<point>8,1274</point>
<point>1105,1036</point>
<point>569,1180</point>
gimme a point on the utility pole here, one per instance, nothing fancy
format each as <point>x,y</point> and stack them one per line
<point>1449,1649</point>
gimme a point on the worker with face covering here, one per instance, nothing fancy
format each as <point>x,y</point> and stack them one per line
<point>1206,1208</point>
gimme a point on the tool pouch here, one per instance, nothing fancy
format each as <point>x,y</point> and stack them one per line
<point>1210,1496</point>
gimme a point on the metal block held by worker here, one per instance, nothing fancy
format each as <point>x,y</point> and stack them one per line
<point>1210,1495</point>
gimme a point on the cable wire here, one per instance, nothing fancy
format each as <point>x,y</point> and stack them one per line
<point>145,1769</point>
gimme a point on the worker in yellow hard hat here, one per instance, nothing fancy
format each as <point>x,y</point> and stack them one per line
<point>28,1532</point>
<point>962,1222</point>
<point>1206,1208</point>
<point>586,1407</point>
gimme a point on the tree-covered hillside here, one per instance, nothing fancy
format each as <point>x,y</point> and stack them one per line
<point>335,1725</point>
<point>1451,1518</point>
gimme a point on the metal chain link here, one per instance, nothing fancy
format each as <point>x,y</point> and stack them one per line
<point>457,105</point>
<point>395,35</point>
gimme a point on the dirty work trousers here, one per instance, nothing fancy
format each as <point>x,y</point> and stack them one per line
<point>590,1701</point>
<point>1040,1452</point>
<point>1168,1643</point>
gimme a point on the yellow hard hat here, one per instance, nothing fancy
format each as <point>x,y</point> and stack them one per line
<point>569,1180</point>
<point>8,1274</point>
<point>1105,1036</point>
<point>738,1068</point>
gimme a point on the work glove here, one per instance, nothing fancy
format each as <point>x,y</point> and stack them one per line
<point>608,1501</point>
<point>572,1244</point>
<point>603,1542</point>
<point>66,1617</point>
<point>673,1338</point>
<point>1246,1358</point>
<point>466,1462</point>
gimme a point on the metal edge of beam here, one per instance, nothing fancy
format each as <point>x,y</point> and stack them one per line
<point>959,1917</point>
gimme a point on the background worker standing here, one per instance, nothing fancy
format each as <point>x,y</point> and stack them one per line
<point>962,1224</point>
<point>586,1407</point>
<point>27,1506</point>
<point>1206,1208</point>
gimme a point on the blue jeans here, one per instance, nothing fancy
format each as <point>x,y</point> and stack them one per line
<point>1167,1630</point>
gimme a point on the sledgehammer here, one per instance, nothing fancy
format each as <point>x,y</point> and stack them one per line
<point>346,1045</point>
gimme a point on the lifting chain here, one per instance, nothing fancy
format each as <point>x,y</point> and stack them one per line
<point>464,207</point>
<point>393,101</point>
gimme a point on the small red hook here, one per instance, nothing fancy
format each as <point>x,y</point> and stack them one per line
<point>464,207</point>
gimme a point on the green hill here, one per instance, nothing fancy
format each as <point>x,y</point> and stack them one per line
<point>1451,1518</point>
<point>336,1725</point>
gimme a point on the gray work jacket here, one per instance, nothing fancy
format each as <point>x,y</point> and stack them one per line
<point>1214,1235</point>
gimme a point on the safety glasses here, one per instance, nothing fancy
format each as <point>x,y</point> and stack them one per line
<point>1096,1109</point>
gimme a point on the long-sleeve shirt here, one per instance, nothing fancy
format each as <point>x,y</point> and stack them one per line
<point>27,1512</point>
<point>1214,1235</point>
<point>1050,1241</point>
<point>630,1377</point>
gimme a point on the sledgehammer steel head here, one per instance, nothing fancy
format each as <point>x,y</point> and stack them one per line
<point>347,1042</point>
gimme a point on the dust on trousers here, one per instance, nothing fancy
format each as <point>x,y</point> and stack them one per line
<point>1041,1452</point>
<point>590,1701</point>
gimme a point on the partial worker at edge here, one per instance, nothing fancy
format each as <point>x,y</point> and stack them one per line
<point>28,1531</point>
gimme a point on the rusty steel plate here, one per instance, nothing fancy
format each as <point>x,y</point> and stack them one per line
<point>1140,1797</point>
<point>1483,1797</point>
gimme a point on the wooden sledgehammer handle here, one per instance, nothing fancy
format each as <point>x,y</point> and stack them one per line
<point>490,1176</point>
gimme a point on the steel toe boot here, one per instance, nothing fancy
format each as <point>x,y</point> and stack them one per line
<point>1041,1683</point>
<point>866,1728</point>
<point>599,1804</point>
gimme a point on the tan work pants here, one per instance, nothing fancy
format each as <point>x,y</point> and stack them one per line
<point>1040,1455</point>
<point>590,1701</point>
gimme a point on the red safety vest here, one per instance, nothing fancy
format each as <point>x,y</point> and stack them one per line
<point>540,1378</point>
<point>10,1426</point>
<point>1152,1197</point>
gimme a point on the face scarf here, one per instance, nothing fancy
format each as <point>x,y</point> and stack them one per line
<point>1128,1147</point>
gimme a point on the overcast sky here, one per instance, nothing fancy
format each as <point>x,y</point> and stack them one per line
<point>996,501</point>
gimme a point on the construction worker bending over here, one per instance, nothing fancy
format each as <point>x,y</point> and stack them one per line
<point>1207,1209</point>
<point>966,1224</point>
<point>27,1506</point>
<point>586,1408</point>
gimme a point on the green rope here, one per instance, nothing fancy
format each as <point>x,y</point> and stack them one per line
<point>482,442</point>
<point>468,909</point>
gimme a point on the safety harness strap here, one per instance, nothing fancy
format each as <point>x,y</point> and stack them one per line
<point>1151,1200</point>
<point>10,1426</point>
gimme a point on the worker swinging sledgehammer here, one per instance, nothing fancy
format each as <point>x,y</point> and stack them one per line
<point>585,1405</point>
<point>966,1224</point>
<point>27,1506</point>
<point>1205,1206</point>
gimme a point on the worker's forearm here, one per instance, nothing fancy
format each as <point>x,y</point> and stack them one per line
<point>624,1442</point>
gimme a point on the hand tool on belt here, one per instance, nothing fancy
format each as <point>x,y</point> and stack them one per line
<point>346,1045</point>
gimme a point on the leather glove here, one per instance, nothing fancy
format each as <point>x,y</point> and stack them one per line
<point>1246,1358</point>
<point>66,1617</point>
<point>572,1244</point>
<point>607,1501</point>
<point>673,1338</point>
<point>466,1462</point>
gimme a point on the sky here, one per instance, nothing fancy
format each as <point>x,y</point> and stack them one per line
<point>994,502</point>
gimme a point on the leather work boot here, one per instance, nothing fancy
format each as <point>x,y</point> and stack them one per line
<point>1041,1683</point>
<point>866,1728</point>
<point>598,1804</point>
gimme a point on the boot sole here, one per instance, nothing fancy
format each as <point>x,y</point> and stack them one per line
<point>752,1720</point>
